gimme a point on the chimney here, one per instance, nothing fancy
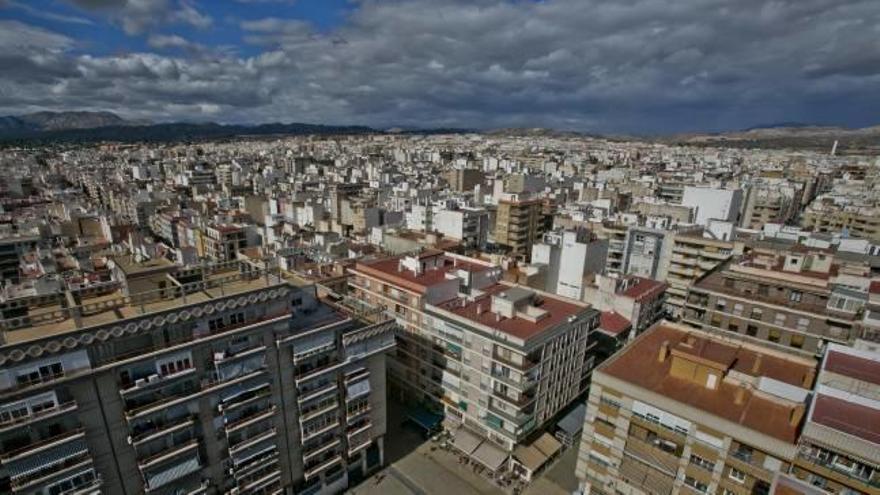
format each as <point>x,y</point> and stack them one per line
<point>740,396</point>
<point>797,414</point>
<point>664,351</point>
<point>756,366</point>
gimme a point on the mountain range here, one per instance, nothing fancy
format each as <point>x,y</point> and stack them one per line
<point>107,126</point>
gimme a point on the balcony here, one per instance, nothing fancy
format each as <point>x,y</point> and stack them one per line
<point>261,483</point>
<point>244,397</point>
<point>354,448</point>
<point>521,401</point>
<point>171,473</point>
<point>306,415</point>
<point>158,430</point>
<point>652,455</point>
<point>308,435</point>
<point>249,418</point>
<point>153,381</point>
<point>42,445</point>
<point>167,454</point>
<point>304,373</point>
<point>59,409</point>
<point>352,414</point>
<point>234,353</point>
<point>320,448</point>
<point>746,462</point>
<point>250,442</point>
<point>28,471</point>
<point>355,375</point>
<point>523,365</point>
<point>25,481</point>
<point>358,427</point>
<point>308,393</point>
<point>316,468</point>
<point>872,480</point>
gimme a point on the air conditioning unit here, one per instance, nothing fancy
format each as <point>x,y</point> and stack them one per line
<point>153,378</point>
<point>140,382</point>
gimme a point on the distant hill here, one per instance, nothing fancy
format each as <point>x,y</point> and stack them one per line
<point>30,123</point>
<point>796,136</point>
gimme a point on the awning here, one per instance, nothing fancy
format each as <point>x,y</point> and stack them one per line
<point>490,456</point>
<point>424,418</point>
<point>548,445</point>
<point>173,473</point>
<point>530,457</point>
<point>465,441</point>
<point>357,389</point>
<point>572,422</point>
<point>46,459</point>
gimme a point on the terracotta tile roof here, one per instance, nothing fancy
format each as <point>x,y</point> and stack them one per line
<point>855,419</point>
<point>639,365</point>
<point>853,366</point>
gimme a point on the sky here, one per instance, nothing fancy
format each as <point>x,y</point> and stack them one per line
<point>613,66</point>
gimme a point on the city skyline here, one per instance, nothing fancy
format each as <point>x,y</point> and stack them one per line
<point>648,67</point>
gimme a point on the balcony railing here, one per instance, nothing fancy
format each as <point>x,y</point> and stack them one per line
<point>169,453</point>
<point>41,445</point>
<point>248,442</point>
<point>873,480</point>
<point>249,419</point>
<point>143,384</point>
<point>318,467</point>
<point>161,429</point>
<point>62,408</point>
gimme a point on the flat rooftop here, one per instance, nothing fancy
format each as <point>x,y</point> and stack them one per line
<point>389,269</point>
<point>478,310</point>
<point>639,365</point>
<point>113,306</point>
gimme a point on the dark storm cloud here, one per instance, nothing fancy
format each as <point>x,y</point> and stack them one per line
<point>631,65</point>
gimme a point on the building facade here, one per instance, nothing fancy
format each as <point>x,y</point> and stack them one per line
<point>234,381</point>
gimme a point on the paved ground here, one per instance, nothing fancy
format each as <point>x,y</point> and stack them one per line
<point>418,467</point>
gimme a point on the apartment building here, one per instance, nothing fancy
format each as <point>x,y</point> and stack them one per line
<point>772,201</point>
<point>684,411</point>
<point>497,358</point>
<point>839,447</point>
<point>222,242</point>
<point>857,221</point>
<point>692,257</point>
<point>786,300</point>
<point>519,223</point>
<point>466,224</point>
<point>226,380</point>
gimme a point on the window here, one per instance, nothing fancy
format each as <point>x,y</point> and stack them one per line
<point>733,327</point>
<point>738,309</point>
<point>696,484</point>
<point>751,330</point>
<point>795,296</point>
<point>702,463</point>
<point>720,304</point>
<point>41,374</point>
<point>797,341</point>
<point>737,475</point>
<point>779,319</point>
<point>763,290</point>
<point>774,335</point>
<point>803,324</point>
<point>757,314</point>
<point>716,321</point>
